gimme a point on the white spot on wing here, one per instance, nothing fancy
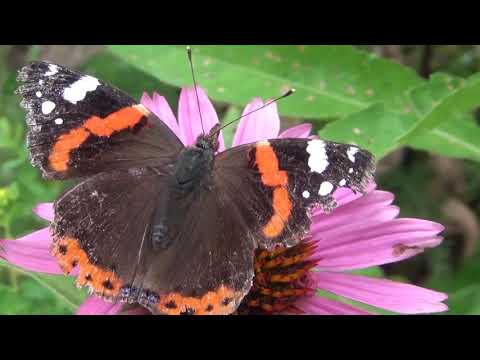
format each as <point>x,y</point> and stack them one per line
<point>350,170</point>
<point>306,194</point>
<point>318,160</point>
<point>47,107</point>
<point>325,188</point>
<point>39,94</point>
<point>351,153</point>
<point>342,182</point>
<point>78,90</point>
<point>136,171</point>
<point>59,121</point>
<point>52,70</point>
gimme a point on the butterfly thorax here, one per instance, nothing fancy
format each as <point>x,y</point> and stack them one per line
<point>192,168</point>
<point>192,175</point>
<point>209,141</point>
<point>194,164</point>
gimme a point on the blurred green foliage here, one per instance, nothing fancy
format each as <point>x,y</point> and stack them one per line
<point>349,93</point>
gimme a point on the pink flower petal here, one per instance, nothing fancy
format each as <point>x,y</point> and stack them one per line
<point>344,195</point>
<point>159,106</point>
<point>374,206</point>
<point>382,293</point>
<point>261,125</point>
<point>298,131</point>
<point>189,116</point>
<point>45,211</point>
<point>31,252</point>
<point>139,310</point>
<point>94,305</point>
<point>374,243</point>
<point>147,101</point>
<point>316,305</point>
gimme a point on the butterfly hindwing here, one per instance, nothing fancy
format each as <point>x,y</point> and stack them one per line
<point>105,226</point>
<point>79,125</point>
<point>101,225</point>
<point>209,264</point>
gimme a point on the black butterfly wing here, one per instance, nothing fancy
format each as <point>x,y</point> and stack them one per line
<point>102,225</point>
<point>105,226</point>
<point>208,267</point>
<point>277,183</point>
<point>79,125</point>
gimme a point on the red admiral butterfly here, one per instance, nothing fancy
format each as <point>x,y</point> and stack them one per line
<point>150,221</point>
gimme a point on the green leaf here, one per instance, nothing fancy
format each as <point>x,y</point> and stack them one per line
<point>331,81</point>
<point>375,129</point>
<point>62,287</point>
<point>465,301</point>
<point>428,95</point>
<point>126,77</point>
<point>374,271</point>
<point>3,63</point>
<point>381,130</point>
<point>29,298</point>
<point>231,114</point>
<point>441,101</point>
<point>459,138</point>
<point>461,285</point>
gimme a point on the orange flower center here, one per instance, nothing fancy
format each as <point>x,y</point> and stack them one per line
<point>278,279</point>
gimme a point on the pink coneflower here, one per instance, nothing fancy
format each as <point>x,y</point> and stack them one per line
<point>363,231</point>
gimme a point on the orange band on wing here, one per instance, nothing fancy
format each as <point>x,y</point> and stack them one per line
<point>67,142</point>
<point>219,302</point>
<point>101,282</point>
<point>267,163</point>
<point>272,176</point>
<point>282,207</point>
<point>122,119</point>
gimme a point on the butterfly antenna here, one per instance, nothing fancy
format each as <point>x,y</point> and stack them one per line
<point>288,93</point>
<point>189,53</point>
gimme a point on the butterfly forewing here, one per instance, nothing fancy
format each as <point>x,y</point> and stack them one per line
<point>79,125</point>
<point>277,183</point>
